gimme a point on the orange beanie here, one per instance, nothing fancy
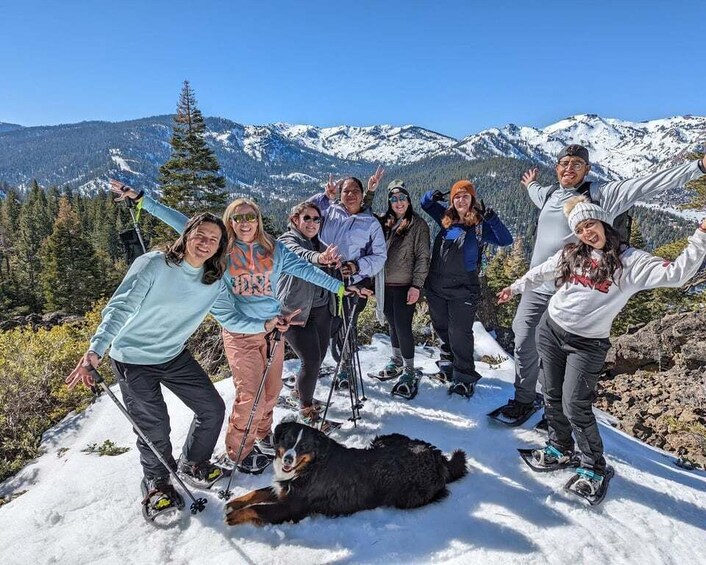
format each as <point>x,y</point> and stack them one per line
<point>462,186</point>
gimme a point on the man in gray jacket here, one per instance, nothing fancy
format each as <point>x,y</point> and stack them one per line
<point>553,232</point>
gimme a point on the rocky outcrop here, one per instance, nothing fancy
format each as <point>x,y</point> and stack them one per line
<point>39,321</point>
<point>656,384</point>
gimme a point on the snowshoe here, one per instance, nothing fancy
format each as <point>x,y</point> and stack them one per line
<point>463,389</point>
<point>161,503</point>
<point>201,475</point>
<point>291,402</point>
<point>542,425</point>
<point>225,463</point>
<point>549,459</point>
<point>391,371</point>
<point>265,445</point>
<point>407,386</point>
<point>255,462</point>
<point>326,371</point>
<point>516,413</point>
<point>439,377</point>
<point>686,463</point>
<point>342,383</point>
<point>589,485</point>
<point>310,417</point>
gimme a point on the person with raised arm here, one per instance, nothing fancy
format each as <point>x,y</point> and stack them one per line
<point>160,303</point>
<point>593,280</point>
<point>358,237</point>
<point>452,286</point>
<point>615,197</point>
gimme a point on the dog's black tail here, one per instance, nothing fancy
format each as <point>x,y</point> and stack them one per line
<point>456,465</point>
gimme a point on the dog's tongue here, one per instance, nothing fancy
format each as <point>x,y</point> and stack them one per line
<point>286,468</point>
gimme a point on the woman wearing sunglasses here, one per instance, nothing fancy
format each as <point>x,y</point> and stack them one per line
<point>406,268</point>
<point>255,263</point>
<point>311,328</point>
<point>452,287</point>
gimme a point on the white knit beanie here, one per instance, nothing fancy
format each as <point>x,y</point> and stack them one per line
<point>578,209</point>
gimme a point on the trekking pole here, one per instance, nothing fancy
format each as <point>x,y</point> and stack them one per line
<point>340,361</point>
<point>276,335</point>
<point>355,357</point>
<point>357,360</point>
<point>198,504</point>
<point>349,353</point>
<point>136,224</point>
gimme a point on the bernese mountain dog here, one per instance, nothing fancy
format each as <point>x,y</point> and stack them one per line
<point>314,474</point>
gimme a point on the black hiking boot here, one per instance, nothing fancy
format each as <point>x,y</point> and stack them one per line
<point>160,500</point>
<point>515,410</point>
<point>199,475</point>
<point>463,389</point>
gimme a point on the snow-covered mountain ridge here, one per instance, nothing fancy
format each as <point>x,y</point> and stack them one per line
<point>263,155</point>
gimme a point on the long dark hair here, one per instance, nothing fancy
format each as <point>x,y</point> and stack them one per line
<point>388,219</point>
<point>576,259</point>
<point>214,267</point>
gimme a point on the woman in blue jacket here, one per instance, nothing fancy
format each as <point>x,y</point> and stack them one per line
<point>452,286</point>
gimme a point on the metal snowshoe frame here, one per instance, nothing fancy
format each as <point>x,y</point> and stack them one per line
<point>600,493</point>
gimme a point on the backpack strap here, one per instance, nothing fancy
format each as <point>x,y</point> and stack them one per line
<point>585,190</point>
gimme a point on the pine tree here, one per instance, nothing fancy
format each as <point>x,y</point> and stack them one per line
<point>34,225</point>
<point>189,179</point>
<point>504,268</point>
<point>71,277</point>
<point>698,186</point>
<point>9,215</point>
<point>636,238</point>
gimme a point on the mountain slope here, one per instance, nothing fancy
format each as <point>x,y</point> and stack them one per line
<point>81,508</point>
<point>618,149</point>
<point>285,161</point>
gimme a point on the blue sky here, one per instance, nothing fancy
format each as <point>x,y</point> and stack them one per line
<point>451,66</point>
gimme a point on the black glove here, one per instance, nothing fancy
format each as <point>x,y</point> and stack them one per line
<point>437,195</point>
<point>486,214</point>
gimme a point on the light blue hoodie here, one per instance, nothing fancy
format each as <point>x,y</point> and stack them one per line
<point>155,310</point>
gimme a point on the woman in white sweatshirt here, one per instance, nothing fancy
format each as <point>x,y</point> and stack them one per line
<point>594,279</point>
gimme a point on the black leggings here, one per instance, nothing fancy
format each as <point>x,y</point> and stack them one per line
<point>309,342</point>
<point>399,316</point>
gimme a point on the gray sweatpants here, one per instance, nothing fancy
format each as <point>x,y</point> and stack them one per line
<point>140,387</point>
<point>530,310</point>
<point>569,367</point>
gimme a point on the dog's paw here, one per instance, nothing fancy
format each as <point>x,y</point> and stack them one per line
<point>245,515</point>
<point>236,504</point>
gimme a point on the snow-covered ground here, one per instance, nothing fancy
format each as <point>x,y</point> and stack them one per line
<point>81,508</point>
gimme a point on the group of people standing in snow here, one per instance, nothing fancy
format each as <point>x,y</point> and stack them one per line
<point>257,287</point>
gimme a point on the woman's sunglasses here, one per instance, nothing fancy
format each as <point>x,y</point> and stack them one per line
<point>315,219</point>
<point>240,218</point>
<point>399,198</point>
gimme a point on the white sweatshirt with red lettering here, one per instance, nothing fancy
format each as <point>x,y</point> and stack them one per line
<point>587,309</point>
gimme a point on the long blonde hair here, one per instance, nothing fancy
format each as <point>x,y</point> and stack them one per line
<point>261,236</point>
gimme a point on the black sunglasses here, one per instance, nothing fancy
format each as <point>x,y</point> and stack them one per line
<point>315,219</point>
